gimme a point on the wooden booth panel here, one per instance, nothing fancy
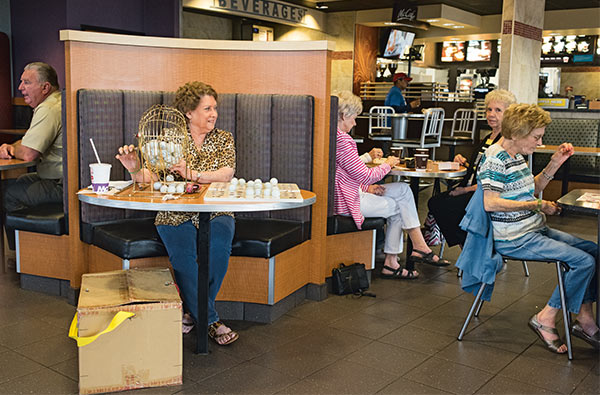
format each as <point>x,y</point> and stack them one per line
<point>100,260</point>
<point>348,248</point>
<point>247,280</point>
<point>44,255</point>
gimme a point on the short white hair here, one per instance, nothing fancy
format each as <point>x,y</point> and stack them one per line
<point>348,104</point>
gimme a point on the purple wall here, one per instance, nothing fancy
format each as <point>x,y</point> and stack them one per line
<point>36,25</point>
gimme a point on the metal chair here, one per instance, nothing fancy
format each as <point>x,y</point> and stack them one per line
<point>464,124</point>
<point>561,268</point>
<point>431,133</point>
<point>525,267</point>
<point>379,124</point>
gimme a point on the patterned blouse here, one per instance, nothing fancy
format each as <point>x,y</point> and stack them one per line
<point>217,151</point>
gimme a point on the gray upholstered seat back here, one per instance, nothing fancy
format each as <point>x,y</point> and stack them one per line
<point>333,117</point>
<point>273,134</point>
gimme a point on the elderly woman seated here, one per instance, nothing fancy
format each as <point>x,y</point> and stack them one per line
<point>358,196</point>
<point>519,221</point>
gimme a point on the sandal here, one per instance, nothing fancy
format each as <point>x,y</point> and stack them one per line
<point>397,273</point>
<point>187,323</point>
<point>219,338</point>
<point>552,345</point>
<point>593,340</point>
<point>428,258</point>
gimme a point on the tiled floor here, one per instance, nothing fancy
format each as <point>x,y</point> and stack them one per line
<point>402,342</point>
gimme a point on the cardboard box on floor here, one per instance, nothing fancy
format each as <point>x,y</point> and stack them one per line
<point>144,350</point>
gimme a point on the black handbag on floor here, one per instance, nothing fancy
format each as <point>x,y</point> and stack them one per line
<point>350,280</point>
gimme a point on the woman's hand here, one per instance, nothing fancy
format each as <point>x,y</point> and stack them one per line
<point>128,158</point>
<point>376,153</point>
<point>458,191</point>
<point>376,189</point>
<point>550,208</point>
<point>460,159</point>
<point>564,152</point>
<point>392,161</point>
<point>182,169</point>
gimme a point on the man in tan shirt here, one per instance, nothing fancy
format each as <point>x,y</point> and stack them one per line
<point>42,141</point>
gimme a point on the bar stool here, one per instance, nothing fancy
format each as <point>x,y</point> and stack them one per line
<point>379,123</point>
<point>431,133</point>
<point>561,268</point>
<point>464,124</point>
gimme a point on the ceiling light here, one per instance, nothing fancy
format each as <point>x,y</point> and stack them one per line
<point>448,24</point>
<point>458,27</point>
<point>433,20</point>
<point>321,6</point>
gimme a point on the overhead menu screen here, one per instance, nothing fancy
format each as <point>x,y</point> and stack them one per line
<point>566,49</point>
<point>453,51</point>
<point>479,51</point>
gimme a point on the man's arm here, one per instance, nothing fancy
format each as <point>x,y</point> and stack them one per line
<point>19,151</point>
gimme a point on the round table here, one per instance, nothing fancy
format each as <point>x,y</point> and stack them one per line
<point>8,164</point>
<point>128,199</point>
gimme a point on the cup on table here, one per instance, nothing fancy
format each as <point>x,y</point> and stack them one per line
<point>421,162</point>
<point>422,151</point>
<point>397,151</point>
<point>100,174</point>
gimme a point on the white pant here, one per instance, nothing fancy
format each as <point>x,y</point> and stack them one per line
<point>397,205</point>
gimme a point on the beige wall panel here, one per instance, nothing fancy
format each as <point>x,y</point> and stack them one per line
<point>291,271</point>
<point>44,255</point>
<point>348,248</point>
<point>247,280</point>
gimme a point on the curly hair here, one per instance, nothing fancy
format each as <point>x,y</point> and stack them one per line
<point>188,96</point>
<point>500,95</point>
<point>520,119</point>
<point>348,104</point>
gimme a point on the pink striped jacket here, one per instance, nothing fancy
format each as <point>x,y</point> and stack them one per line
<point>350,175</point>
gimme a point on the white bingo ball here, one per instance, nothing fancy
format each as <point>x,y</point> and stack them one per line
<point>170,178</point>
<point>180,188</point>
<point>250,184</point>
<point>242,181</point>
<point>258,186</point>
<point>232,187</point>
<point>162,145</point>
<point>157,185</point>
<point>164,189</point>
<point>258,181</point>
<point>273,181</point>
<point>233,181</point>
<point>172,188</point>
<point>268,185</point>
<point>267,192</point>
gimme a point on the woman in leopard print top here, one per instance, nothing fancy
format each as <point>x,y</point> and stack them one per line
<point>211,155</point>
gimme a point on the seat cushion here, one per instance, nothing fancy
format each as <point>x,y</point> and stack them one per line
<point>129,238</point>
<point>266,237</point>
<point>45,218</point>
<point>428,140</point>
<point>343,224</point>
<point>457,140</point>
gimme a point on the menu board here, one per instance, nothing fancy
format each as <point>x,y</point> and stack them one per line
<point>564,49</point>
<point>479,51</point>
<point>398,42</point>
<point>453,51</point>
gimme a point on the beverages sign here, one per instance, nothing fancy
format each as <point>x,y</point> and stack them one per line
<point>267,8</point>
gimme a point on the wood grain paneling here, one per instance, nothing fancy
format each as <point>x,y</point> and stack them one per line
<point>114,66</point>
<point>100,260</point>
<point>348,248</point>
<point>247,280</point>
<point>44,255</point>
<point>366,45</point>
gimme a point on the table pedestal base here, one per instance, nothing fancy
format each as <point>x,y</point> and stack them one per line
<point>203,267</point>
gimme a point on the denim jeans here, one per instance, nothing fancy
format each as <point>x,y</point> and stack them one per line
<point>180,242</point>
<point>579,254</point>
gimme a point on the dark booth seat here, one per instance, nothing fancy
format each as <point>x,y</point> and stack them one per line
<point>129,238</point>
<point>337,224</point>
<point>267,237</point>
<point>45,218</point>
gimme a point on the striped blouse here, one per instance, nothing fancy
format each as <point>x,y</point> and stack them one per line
<point>351,174</point>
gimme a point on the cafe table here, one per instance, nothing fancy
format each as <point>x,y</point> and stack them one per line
<point>570,203</point>
<point>8,164</point>
<point>578,151</point>
<point>432,171</point>
<point>128,199</point>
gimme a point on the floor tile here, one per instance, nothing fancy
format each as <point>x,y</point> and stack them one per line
<point>295,360</point>
<point>404,386</point>
<point>503,386</point>
<point>394,311</point>
<point>15,365</point>
<point>44,381</point>
<point>544,374</point>
<point>246,378</point>
<point>589,385</point>
<point>366,325</point>
<point>199,367</point>
<point>344,377</point>
<point>50,351</point>
<point>389,358</point>
<point>27,332</point>
<point>285,329</point>
<point>332,341</point>
<point>420,299</point>
<point>475,355</point>
<point>418,339</point>
<point>69,368</point>
<point>449,376</point>
<point>320,312</point>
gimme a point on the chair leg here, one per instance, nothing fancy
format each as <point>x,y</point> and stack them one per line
<point>471,311</point>
<point>459,273</point>
<point>565,312</point>
<point>442,247</point>
<point>525,269</point>
<point>479,306</point>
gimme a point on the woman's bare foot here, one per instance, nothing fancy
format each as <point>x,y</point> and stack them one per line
<point>391,261</point>
<point>549,320</point>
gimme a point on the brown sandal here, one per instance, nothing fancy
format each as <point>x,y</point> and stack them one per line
<point>218,338</point>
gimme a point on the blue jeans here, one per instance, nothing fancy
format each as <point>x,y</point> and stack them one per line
<point>181,242</point>
<point>579,254</point>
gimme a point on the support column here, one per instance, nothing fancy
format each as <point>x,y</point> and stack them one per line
<point>522,23</point>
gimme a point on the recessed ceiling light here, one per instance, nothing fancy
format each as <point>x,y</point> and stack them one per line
<point>458,27</point>
<point>391,23</point>
<point>448,24</point>
<point>321,6</point>
<point>432,20</point>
